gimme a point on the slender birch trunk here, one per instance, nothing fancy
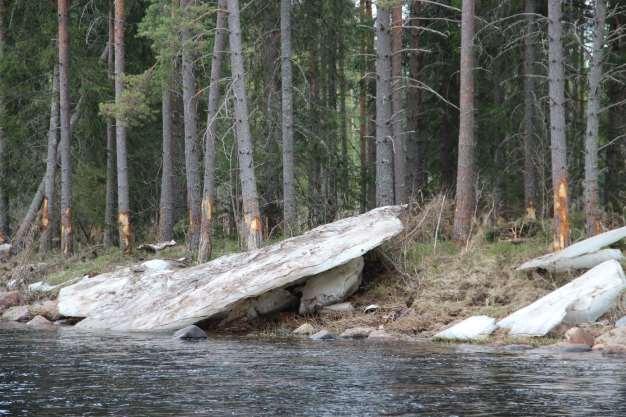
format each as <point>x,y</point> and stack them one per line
<point>51,164</point>
<point>556,82</point>
<point>530,180</point>
<point>465,201</point>
<point>208,199</point>
<point>123,201</point>
<point>251,212</point>
<point>289,180</point>
<point>192,145</point>
<point>66,134</point>
<point>592,198</point>
<point>384,144</point>
<point>109,208</point>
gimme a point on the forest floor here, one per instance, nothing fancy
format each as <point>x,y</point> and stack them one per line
<point>419,282</point>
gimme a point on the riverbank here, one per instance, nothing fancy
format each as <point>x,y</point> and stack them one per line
<point>413,287</point>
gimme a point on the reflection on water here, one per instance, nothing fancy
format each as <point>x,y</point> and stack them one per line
<point>69,373</point>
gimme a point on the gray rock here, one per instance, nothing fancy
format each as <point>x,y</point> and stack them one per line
<point>357,333</point>
<point>306,329</point>
<point>322,335</point>
<point>338,308</point>
<point>48,309</point>
<point>10,299</point>
<point>382,335</point>
<point>18,313</point>
<point>190,332</point>
<point>621,322</point>
<point>275,301</point>
<point>332,286</point>
<point>40,322</point>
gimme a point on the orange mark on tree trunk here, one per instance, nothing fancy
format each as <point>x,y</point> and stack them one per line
<point>561,229</point>
<point>255,225</point>
<point>66,231</point>
<point>531,212</point>
<point>207,208</point>
<point>3,238</point>
<point>45,215</point>
<point>123,219</point>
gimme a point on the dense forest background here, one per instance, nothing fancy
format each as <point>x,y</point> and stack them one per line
<point>379,96</point>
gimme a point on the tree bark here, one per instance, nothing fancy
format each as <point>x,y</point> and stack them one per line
<point>530,180</point>
<point>463,211</point>
<point>66,135</point>
<point>51,165</point>
<point>556,82</point>
<point>123,202</point>
<point>289,178</point>
<point>166,203</point>
<point>192,146</point>
<point>208,200</point>
<point>592,205</point>
<point>251,212</point>
<point>384,145</point>
<point>399,152</point>
<point>37,201</point>
<point>109,208</point>
<point>363,113</point>
<point>414,144</point>
<point>4,196</point>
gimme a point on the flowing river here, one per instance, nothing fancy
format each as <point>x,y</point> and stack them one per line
<point>69,373</point>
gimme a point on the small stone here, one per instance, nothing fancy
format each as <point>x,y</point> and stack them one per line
<point>621,322</point>
<point>339,308</point>
<point>18,313</point>
<point>10,299</point>
<point>371,308</point>
<point>578,336</point>
<point>40,322</point>
<point>190,332</point>
<point>48,309</point>
<point>322,335</point>
<point>357,333</point>
<point>306,329</point>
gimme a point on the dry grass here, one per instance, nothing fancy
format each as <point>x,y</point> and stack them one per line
<point>424,282</point>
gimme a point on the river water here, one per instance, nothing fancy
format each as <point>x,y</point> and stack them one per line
<point>70,373</point>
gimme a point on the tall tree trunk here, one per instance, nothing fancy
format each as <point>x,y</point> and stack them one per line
<point>556,81</point>
<point>4,199</point>
<point>168,176</point>
<point>192,146</point>
<point>251,212</point>
<point>37,201</point>
<point>592,206</point>
<point>123,201</point>
<point>371,110</point>
<point>289,176</point>
<point>109,208</point>
<point>208,200</point>
<point>463,211</point>
<point>615,178</point>
<point>530,180</point>
<point>399,152</point>
<point>384,145</point>
<point>66,134</point>
<point>414,144</point>
<point>51,165</point>
<point>363,113</point>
